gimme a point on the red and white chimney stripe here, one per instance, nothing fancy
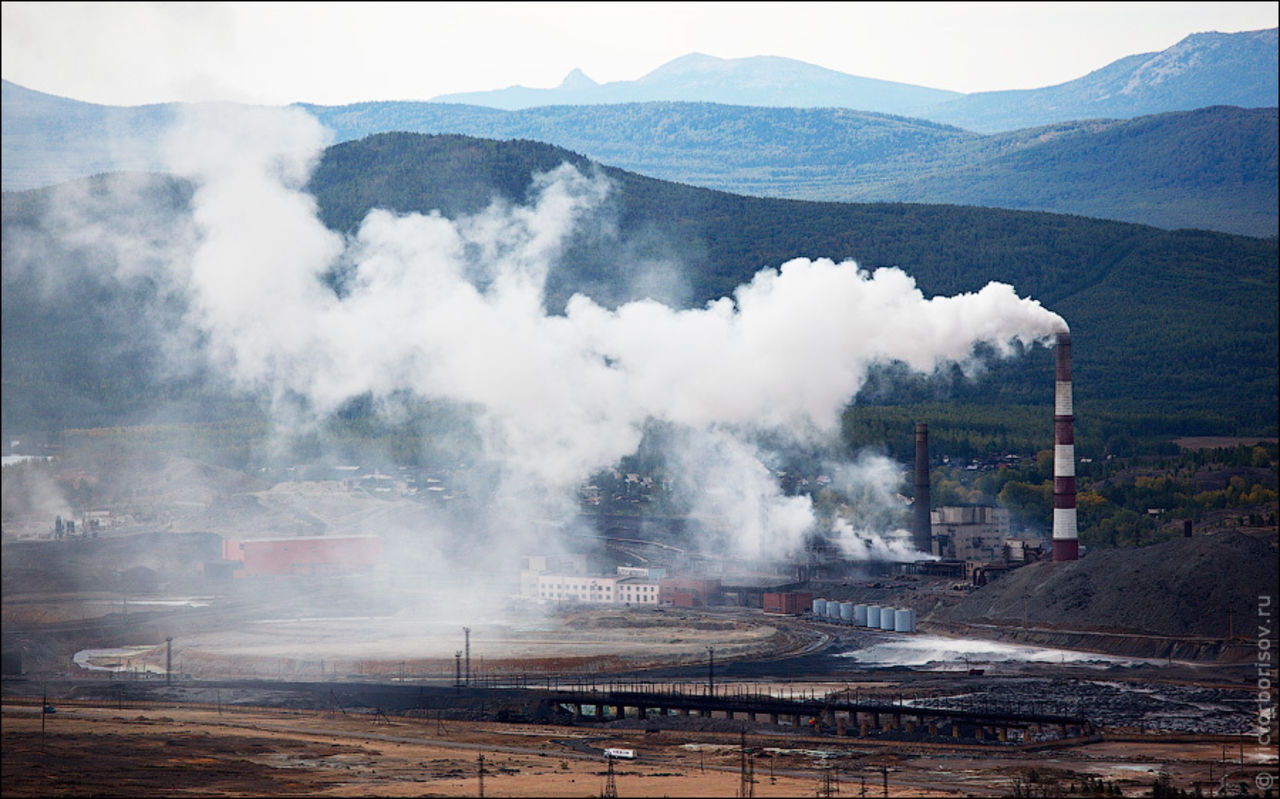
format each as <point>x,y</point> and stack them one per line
<point>1065,544</point>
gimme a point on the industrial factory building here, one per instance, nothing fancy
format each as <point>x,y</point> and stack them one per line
<point>689,592</point>
<point>632,585</point>
<point>597,590</point>
<point>789,603</point>
<point>970,542</point>
<point>970,532</point>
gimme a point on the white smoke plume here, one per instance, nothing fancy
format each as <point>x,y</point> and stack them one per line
<point>453,309</point>
<point>870,512</point>
<point>724,481</point>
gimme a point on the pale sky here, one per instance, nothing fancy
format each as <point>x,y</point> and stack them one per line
<point>335,53</point>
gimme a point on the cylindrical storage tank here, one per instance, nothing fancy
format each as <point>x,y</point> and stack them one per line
<point>902,620</point>
<point>886,619</point>
<point>860,615</point>
<point>873,616</point>
<point>833,610</point>
<point>913,619</point>
<point>846,611</point>
<point>819,607</point>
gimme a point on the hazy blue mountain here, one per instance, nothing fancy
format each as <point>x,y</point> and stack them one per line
<point>759,80</point>
<point>1203,69</point>
<point>1173,330</point>
<point>1213,168</point>
<point>48,139</point>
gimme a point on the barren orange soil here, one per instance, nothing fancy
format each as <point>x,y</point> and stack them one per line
<point>101,751</point>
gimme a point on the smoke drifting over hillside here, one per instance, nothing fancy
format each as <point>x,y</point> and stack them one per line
<point>452,309</point>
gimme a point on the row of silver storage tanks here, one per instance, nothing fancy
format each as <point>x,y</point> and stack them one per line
<point>900,620</point>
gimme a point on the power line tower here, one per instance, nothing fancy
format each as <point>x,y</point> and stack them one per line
<point>711,670</point>
<point>747,787</point>
<point>610,787</point>
<point>830,784</point>
<point>467,632</point>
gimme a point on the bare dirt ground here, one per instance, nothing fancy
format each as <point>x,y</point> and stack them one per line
<point>102,751</point>
<point>535,642</point>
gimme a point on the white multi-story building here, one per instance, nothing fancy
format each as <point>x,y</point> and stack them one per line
<point>596,590</point>
<point>577,588</point>
<point>637,591</point>
<point>563,579</point>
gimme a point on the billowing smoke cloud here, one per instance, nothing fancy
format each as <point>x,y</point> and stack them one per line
<point>724,482</point>
<point>870,506</point>
<point>453,309</point>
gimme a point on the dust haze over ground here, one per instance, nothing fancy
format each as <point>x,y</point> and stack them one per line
<point>451,311</point>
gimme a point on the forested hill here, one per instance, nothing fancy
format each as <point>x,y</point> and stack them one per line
<point>1175,330</point>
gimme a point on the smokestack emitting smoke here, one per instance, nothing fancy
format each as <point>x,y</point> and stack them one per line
<point>453,310</point>
<point>922,527</point>
<point>1065,545</point>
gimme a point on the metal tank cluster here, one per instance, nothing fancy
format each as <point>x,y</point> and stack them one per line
<point>875,617</point>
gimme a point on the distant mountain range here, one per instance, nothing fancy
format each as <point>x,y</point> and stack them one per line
<point>698,78</point>
<point>1175,331</point>
<point>1213,168</point>
<point>1189,139</point>
<point>1201,70</point>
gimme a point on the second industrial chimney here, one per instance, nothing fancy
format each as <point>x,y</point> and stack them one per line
<point>1065,544</point>
<point>921,525</point>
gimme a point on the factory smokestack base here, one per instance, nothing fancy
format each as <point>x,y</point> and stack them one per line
<point>1065,543</point>
<point>921,525</point>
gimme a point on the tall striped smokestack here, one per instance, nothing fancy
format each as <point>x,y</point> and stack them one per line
<point>1065,544</point>
<point>921,527</point>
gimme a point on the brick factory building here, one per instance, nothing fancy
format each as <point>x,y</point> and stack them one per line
<point>303,555</point>
<point>688,592</point>
<point>792,603</point>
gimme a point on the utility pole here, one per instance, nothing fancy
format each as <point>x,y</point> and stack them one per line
<point>457,670</point>
<point>829,785</point>
<point>711,670</point>
<point>480,772</point>
<point>168,660</point>
<point>467,631</point>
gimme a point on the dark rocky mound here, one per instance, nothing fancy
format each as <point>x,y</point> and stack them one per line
<point>1207,587</point>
